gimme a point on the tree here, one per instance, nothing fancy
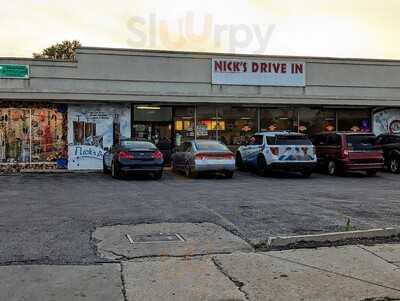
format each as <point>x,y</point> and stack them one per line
<point>65,50</point>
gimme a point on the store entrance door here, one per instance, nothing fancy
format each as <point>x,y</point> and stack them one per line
<point>159,133</point>
<point>154,123</point>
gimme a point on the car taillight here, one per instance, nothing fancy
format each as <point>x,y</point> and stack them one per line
<point>201,157</point>
<point>125,155</point>
<point>157,155</point>
<point>274,150</point>
<point>229,156</point>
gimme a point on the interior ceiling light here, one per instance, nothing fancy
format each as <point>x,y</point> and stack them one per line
<point>148,108</point>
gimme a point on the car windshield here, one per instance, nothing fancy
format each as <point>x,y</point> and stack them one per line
<point>137,145</point>
<point>361,142</point>
<point>292,140</point>
<point>212,146</point>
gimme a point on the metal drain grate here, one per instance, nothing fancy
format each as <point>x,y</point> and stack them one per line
<point>157,237</point>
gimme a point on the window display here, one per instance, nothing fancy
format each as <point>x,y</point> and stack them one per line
<point>236,124</point>
<point>184,124</point>
<point>273,120</point>
<point>207,124</point>
<point>313,121</point>
<point>47,135</point>
<point>354,120</point>
<point>32,135</point>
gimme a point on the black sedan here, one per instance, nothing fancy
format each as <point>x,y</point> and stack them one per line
<point>131,156</point>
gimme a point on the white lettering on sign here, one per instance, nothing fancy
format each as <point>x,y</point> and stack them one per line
<point>258,73</point>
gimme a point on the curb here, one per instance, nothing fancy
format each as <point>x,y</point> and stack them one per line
<point>274,242</point>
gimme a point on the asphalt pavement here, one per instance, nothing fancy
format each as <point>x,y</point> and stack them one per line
<point>50,218</point>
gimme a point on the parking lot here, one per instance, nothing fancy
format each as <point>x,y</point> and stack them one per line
<point>49,218</point>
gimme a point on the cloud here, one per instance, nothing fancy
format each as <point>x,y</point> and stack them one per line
<point>357,28</point>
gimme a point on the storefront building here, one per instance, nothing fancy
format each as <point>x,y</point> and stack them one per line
<point>56,114</point>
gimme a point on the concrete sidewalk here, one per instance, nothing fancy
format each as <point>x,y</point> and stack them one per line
<point>343,273</point>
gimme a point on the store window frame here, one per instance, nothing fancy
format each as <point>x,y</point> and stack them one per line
<point>53,137</point>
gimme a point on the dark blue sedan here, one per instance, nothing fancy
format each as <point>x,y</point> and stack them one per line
<point>131,156</point>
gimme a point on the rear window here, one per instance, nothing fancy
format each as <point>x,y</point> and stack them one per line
<point>361,142</point>
<point>292,140</point>
<point>210,146</point>
<point>137,145</point>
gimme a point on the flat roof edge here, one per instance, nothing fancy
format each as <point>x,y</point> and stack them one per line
<point>90,49</point>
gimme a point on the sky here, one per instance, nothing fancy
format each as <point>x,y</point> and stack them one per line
<point>325,28</point>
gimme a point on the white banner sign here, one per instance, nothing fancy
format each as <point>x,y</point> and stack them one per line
<point>258,72</point>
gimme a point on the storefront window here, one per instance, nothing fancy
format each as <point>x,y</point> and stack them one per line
<point>149,113</point>
<point>32,135</point>
<point>313,121</point>
<point>207,124</point>
<point>184,124</point>
<point>354,120</point>
<point>47,135</point>
<point>278,120</point>
<point>236,125</point>
<point>14,135</point>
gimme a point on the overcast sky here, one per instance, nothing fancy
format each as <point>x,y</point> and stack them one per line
<point>342,28</point>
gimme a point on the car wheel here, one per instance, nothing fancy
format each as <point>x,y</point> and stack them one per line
<point>332,169</point>
<point>173,166</point>
<point>115,170</point>
<point>188,170</point>
<point>228,174</point>
<point>261,167</point>
<point>239,162</point>
<point>157,175</point>
<point>306,174</point>
<point>105,170</point>
<point>371,173</point>
<point>394,165</point>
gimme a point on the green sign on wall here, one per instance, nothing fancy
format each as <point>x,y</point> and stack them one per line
<point>14,71</point>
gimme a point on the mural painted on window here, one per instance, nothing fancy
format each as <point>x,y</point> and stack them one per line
<point>33,136</point>
<point>91,128</point>
<point>387,122</point>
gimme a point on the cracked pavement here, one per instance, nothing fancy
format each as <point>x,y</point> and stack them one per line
<point>349,273</point>
<point>53,219</point>
<point>49,218</point>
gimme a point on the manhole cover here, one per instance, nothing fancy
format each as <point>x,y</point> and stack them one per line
<point>158,237</point>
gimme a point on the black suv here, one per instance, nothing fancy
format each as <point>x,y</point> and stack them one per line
<point>390,145</point>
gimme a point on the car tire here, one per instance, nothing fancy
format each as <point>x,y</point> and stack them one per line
<point>229,174</point>
<point>371,173</point>
<point>105,169</point>
<point>115,173</point>
<point>306,174</point>
<point>188,171</point>
<point>157,175</point>
<point>239,162</point>
<point>394,165</point>
<point>173,166</point>
<point>332,168</point>
<point>261,167</point>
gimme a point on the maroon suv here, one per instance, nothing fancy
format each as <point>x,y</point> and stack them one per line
<point>340,152</point>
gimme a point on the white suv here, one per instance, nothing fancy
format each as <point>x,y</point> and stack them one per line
<point>269,151</point>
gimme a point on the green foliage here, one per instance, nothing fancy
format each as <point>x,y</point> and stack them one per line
<point>348,226</point>
<point>65,50</point>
